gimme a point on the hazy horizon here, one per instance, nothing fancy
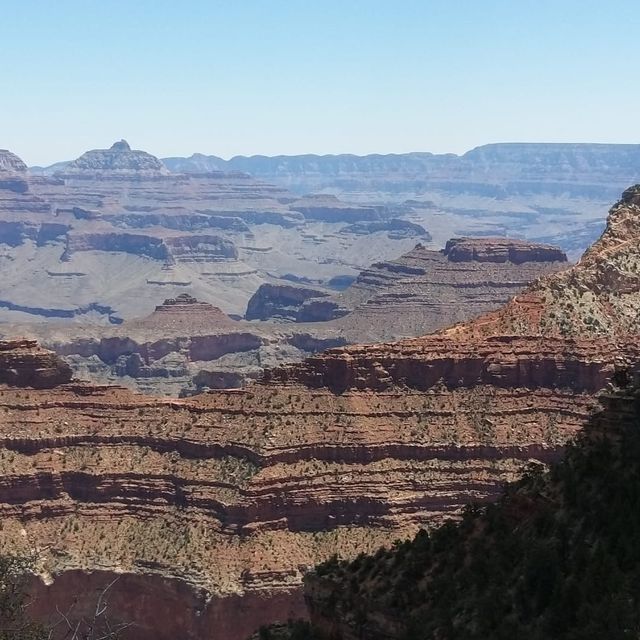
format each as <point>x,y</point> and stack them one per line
<point>346,153</point>
<point>286,78</point>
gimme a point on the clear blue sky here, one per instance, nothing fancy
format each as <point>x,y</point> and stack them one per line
<point>302,76</point>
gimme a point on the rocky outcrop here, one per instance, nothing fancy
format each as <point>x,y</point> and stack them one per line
<point>15,233</point>
<point>597,297</point>
<point>395,228</point>
<point>201,248</point>
<point>120,159</point>
<point>279,301</point>
<point>498,361</point>
<point>187,248</point>
<point>134,243</point>
<point>24,364</point>
<point>22,214</point>
<point>501,250</point>
<point>10,162</point>
<point>426,290</point>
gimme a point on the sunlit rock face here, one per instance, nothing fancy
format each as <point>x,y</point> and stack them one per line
<point>238,492</point>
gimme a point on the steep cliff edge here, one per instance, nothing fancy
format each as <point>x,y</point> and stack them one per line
<point>24,364</point>
<point>599,296</point>
<point>555,558</point>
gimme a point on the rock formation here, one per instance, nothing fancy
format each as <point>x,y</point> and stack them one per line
<point>280,301</point>
<point>100,233</point>
<point>238,492</point>
<point>423,290</point>
<point>9,162</point>
<point>329,209</point>
<point>510,570</point>
<point>395,227</point>
<point>24,364</point>
<point>426,290</point>
<point>500,250</point>
<point>184,346</point>
<point>119,159</point>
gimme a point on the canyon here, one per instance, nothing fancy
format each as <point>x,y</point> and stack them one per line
<point>479,578</point>
<point>109,236</point>
<point>221,502</point>
<point>186,345</point>
<point>552,193</point>
<point>424,289</point>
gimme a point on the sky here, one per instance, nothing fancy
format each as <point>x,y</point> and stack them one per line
<point>244,77</point>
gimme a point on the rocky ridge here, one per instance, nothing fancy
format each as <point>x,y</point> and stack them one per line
<point>425,290</point>
<point>119,159</point>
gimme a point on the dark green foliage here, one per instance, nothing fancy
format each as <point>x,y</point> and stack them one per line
<point>14,623</point>
<point>293,630</point>
<point>558,557</point>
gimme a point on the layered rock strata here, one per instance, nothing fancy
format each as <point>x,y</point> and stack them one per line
<point>279,301</point>
<point>547,192</point>
<point>184,346</point>
<point>239,492</point>
<point>426,290</point>
<point>115,230</point>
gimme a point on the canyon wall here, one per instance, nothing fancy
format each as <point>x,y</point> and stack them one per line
<point>240,492</point>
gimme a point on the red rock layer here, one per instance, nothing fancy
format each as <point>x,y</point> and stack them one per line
<point>238,492</point>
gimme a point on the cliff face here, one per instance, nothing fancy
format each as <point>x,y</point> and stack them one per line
<point>279,301</point>
<point>184,346</point>
<point>168,248</point>
<point>24,364</point>
<point>426,290</point>
<point>239,492</point>
<point>597,297</point>
<point>510,570</point>
<point>500,250</point>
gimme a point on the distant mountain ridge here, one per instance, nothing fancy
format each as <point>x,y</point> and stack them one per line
<point>497,163</point>
<point>551,193</point>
